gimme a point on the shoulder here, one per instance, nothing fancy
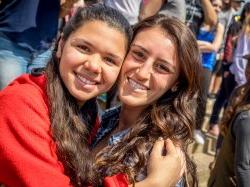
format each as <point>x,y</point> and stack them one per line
<point>111,113</point>
<point>243,115</point>
<point>241,123</point>
<point>109,120</point>
<point>25,87</point>
<point>24,100</point>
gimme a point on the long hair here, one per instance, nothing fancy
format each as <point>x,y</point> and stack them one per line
<point>170,117</point>
<point>246,26</point>
<point>238,100</point>
<point>70,124</point>
<point>244,12</point>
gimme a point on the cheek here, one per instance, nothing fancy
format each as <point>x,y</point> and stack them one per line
<point>165,83</point>
<point>110,75</point>
<point>129,65</point>
<point>65,66</point>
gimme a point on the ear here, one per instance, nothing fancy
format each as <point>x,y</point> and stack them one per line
<point>60,47</point>
<point>175,87</point>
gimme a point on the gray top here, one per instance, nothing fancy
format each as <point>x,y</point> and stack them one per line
<point>129,8</point>
<point>241,132</point>
<point>175,8</point>
<point>225,18</point>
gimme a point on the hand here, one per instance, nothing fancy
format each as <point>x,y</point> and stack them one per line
<point>166,170</point>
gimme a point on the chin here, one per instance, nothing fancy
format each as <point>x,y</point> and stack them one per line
<point>132,102</point>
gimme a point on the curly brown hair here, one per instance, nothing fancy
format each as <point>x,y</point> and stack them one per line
<point>172,116</point>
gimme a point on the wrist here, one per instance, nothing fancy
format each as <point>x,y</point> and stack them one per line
<point>155,181</point>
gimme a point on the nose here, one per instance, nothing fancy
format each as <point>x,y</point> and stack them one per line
<point>93,64</point>
<point>143,71</point>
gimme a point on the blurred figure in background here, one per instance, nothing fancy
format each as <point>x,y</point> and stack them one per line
<point>129,8</point>
<point>209,41</point>
<point>243,47</point>
<point>198,12</point>
<point>232,163</point>
<point>232,55</point>
<point>27,31</point>
<point>229,9</point>
<point>175,8</point>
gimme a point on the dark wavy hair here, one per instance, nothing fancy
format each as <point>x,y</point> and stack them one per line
<point>172,116</point>
<point>245,10</point>
<point>239,100</point>
<point>70,124</point>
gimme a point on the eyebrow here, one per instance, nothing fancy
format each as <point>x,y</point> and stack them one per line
<point>142,48</point>
<point>162,60</point>
<point>92,46</point>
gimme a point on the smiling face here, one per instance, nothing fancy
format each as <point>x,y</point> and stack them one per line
<point>90,59</point>
<point>150,69</point>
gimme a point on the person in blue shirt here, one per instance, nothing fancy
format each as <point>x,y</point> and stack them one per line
<point>209,41</point>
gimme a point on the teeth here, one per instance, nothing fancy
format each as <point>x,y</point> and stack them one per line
<point>86,81</point>
<point>135,85</point>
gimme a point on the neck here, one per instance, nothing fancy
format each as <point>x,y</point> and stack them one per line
<point>129,116</point>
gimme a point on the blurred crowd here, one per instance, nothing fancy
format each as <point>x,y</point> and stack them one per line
<point>29,29</point>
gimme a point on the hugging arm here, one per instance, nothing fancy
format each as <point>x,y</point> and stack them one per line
<point>163,170</point>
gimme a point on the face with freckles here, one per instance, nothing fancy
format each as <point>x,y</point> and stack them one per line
<point>90,59</point>
<point>150,69</point>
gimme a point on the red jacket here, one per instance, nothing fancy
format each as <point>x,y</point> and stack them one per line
<point>27,150</point>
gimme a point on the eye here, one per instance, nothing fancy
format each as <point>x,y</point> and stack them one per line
<point>162,68</point>
<point>84,48</point>
<point>138,55</point>
<point>109,60</point>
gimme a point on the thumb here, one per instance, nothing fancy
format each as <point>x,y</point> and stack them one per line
<point>170,147</point>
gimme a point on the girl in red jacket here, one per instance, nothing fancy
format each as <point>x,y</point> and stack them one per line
<point>45,119</point>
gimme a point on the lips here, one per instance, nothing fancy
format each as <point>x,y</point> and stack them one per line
<point>86,80</point>
<point>136,85</point>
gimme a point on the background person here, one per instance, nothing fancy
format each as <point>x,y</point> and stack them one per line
<point>232,163</point>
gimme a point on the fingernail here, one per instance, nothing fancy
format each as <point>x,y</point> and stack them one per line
<point>160,138</point>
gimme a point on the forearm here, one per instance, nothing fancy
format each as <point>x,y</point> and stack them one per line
<point>205,46</point>
<point>210,16</point>
<point>150,8</point>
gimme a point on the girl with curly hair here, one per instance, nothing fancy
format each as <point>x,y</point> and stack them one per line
<point>158,82</point>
